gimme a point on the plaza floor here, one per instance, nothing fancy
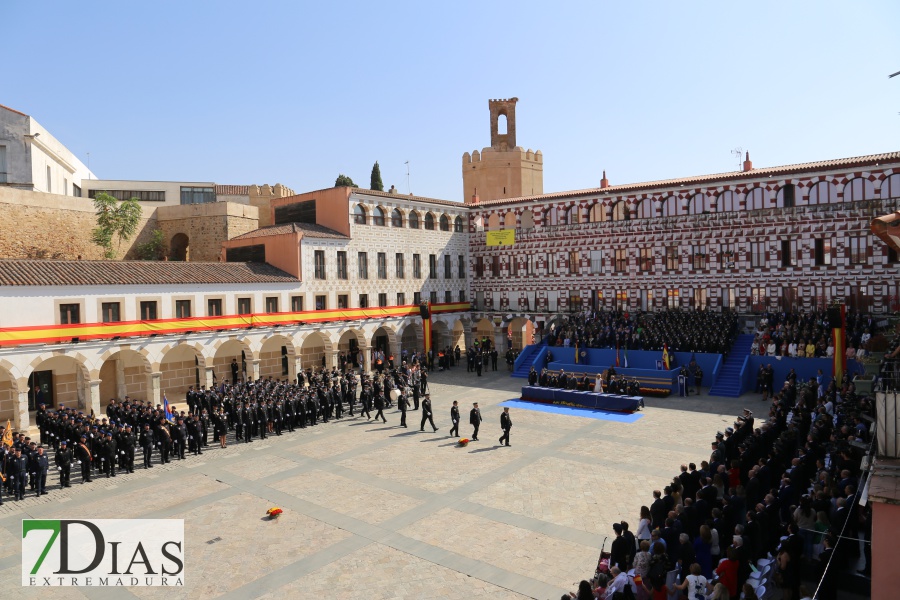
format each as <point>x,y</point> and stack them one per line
<point>376,511</point>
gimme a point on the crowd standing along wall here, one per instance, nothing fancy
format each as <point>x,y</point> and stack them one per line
<point>40,225</point>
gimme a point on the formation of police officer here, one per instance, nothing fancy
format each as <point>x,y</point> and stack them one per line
<point>106,445</point>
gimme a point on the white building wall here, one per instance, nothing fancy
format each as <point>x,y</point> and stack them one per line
<point>172,189</point>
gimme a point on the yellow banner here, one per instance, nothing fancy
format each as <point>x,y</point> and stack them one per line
<point>502,237</point>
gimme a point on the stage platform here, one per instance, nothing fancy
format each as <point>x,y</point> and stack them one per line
<point>609,402</point>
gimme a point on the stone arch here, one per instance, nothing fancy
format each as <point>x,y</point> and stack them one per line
<point>440,335</point>
<point>484,328</point>
<point>527,219</point>
<point>458,225</point>
<point>350,343</point>
<point>573,215</point>
<point>823,192</point>
<point>859,188</point>
<point>521,331</point>
<point>378,216</point>
<point>385,339</point>
<point>597,213</point>
<point>179,247</point>
<point>396,218</point>
<point>181,366</point>
<point>9,395</point>
<point>458,335</point>
<point>411,337</point>
<point>620,211</point>
<point>413,220</point>
<point>360,214</point>
<point>493,222</point>
<point>429,221</point>
<point>233,348</point>
<point>316,346</point>
<point>60,380</point>
<point>509,220</point>
<point>125,372</point>
<point>278,358</point>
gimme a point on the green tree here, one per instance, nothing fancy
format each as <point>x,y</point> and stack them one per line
<point>114,220</point>
<point>344,181</point>
<point>155,249</point>
<point>375,181</point>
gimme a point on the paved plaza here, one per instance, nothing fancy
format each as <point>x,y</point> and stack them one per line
<point>377,511</point>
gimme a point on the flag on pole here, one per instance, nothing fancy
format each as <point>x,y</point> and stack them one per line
<point>169,415</point>
<point>840,354</point>
<point>576,353</point>
<point>617,353</point>
<point>626,357</point>
<point>7,435</point>
<point>666,357</point>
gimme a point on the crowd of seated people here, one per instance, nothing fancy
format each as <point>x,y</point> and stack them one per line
<point>680,331</point>
<point>809,335</point>
<point>781,487</point>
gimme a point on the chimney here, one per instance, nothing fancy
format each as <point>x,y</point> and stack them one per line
<point>604,183</point>
<point>475,197</point>
<point>748,166</point>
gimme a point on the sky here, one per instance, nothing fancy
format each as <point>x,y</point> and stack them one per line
<point>296,92</point>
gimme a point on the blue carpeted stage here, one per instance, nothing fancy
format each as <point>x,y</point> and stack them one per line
<point>610,402</point>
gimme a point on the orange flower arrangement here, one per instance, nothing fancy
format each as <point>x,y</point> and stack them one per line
<point>463,441</point>
<point>274,512</point>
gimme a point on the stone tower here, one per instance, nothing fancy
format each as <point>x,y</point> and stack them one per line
<point>504,170</point>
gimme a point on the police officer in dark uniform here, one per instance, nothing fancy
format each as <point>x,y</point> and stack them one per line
<point>427,414</point>
<point>111,454</point>
<point>146,441</point>
<point>126,449</point>
<point>17,470</point>
<point>84,457</point>
<point>39,467</point>
<point>454,418</point>
<point>63,459</point>
<point>179,438</point>
<point>475,420</point>
<point>164,441</point>
<point>505,425</point>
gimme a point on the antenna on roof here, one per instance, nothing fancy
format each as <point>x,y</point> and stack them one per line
<point>407,177</point>
<point>739,155</point>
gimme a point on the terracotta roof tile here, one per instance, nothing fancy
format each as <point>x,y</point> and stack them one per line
<point>410,197</point>
<point>232,190</point>
<point>307,229</point>
<point>855,161</point>
<point>13,110</point>
<point>135,272</point>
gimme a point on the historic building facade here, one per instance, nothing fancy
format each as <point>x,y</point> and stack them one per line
<point>796,236</point>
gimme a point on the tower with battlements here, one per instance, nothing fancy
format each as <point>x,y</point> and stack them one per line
<point>504,170</point>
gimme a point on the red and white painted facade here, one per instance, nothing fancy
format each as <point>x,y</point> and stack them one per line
<point>729,240</point>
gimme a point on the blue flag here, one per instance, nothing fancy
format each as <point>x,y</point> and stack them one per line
<point>169,415</point>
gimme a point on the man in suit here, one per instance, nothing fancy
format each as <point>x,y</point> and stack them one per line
<point>402,404</point>
<point>475,420</point>
<point>426,413</point>
<point>454,418</point>
<point>505,425</point>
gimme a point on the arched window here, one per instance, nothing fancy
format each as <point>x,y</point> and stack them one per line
<point>890,187</point>
<point>458,224</point>
<point>396,218</point>
<point>697,205</point>
<point>757,198</point>
<point>787,196</point>
<point>727,202</point>
<point>527,219</point>
<point>359,214</point>
<point>620,211</point>
<point>445,223</point>
<point>646,209</point>
<point>509,221</point>
<point>823,193</point>
<point>413,220</point>
<point>573,215</point>
<point>378,216</point>
<point>597,213</point>
<point>859,189</point>
<point>552,216</point>
<point>671,206</point>
<point>429,221</point>
<point>493,222</point>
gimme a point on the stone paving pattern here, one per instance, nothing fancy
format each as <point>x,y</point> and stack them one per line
<point>377,511</point>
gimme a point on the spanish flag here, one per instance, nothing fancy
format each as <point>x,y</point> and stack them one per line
<point>666,357</point>
<point>7,435</point>
<point>839,342</point>
<point>617,353</point>
<point>576,353</point>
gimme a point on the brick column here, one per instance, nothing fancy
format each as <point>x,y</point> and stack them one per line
<point>254,369</point>
<point>94,396</point>
<point>154,393</point>
<point>22,420</point>
<point>207,379</point>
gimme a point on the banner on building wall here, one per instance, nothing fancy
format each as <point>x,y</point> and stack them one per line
<point>501,237</point>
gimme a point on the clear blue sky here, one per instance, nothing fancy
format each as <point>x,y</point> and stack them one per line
<point>296,92</point>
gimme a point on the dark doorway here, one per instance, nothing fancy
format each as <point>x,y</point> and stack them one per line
<point>40,389</point>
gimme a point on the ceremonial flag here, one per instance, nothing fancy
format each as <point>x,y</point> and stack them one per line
<point>626,357</point>
<point>576,353</point>
<point>839,343</point>
<point>617,353</point>
<point>7,435</point>
<point>666,356</point>
<point>169,415</point>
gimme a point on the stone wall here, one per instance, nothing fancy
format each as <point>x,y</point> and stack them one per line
<point>177,376</point>
<point>8,402</point>
<point>270,365</point>
<point>39,225</point>
<point>206,226</point>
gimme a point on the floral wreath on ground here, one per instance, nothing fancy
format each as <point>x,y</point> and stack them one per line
<point>463,442</point>
<point>274,512</point>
